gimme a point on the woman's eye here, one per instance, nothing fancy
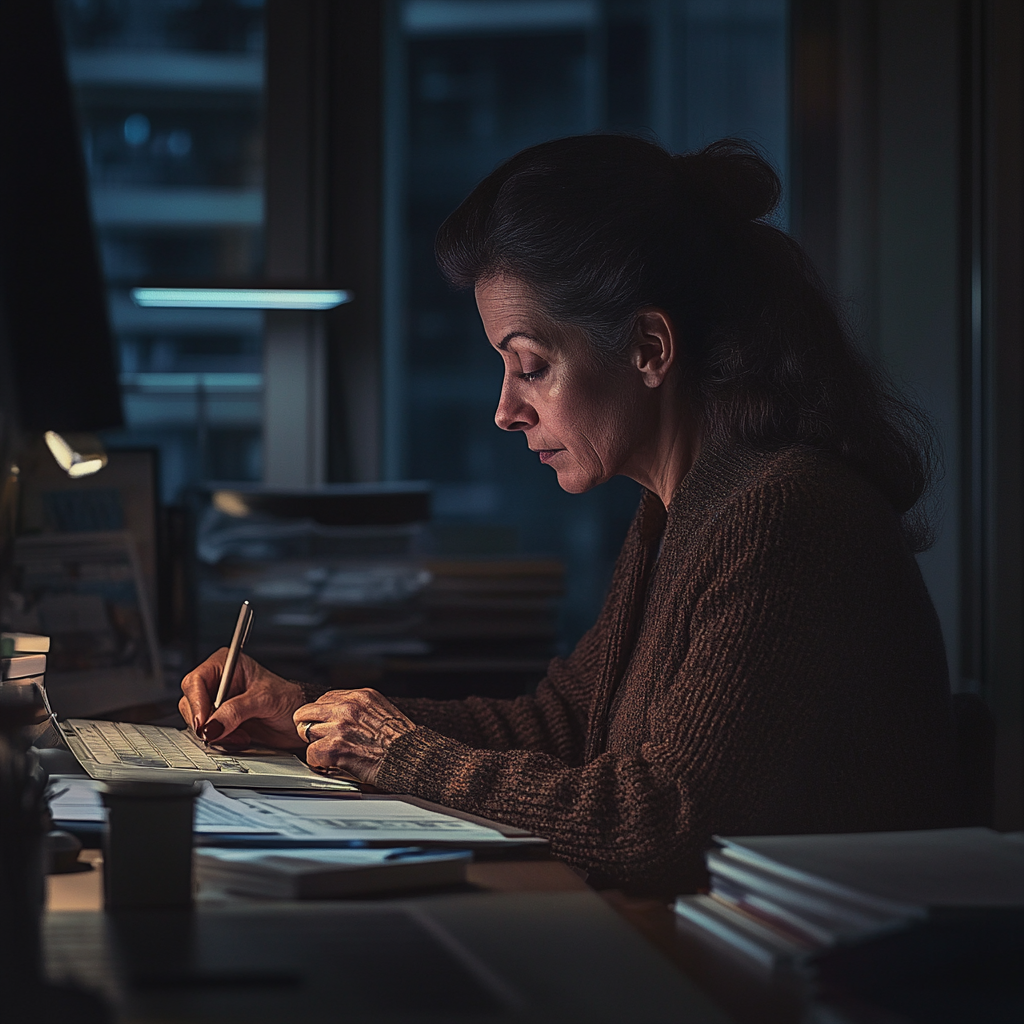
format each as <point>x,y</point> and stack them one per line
<point>532,374</point>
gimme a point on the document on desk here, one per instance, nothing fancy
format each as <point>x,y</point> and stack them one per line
<point>313,819</point>
<point>74,799</point>
<point>327,818</point>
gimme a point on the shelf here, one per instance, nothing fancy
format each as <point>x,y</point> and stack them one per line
<point>443,17</point>
<point>191,383</point>
<point>167,69</point>
<point>177,207</point>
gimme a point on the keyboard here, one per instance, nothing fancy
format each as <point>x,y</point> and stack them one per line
<point>123,751</point>
<point>152,746</point>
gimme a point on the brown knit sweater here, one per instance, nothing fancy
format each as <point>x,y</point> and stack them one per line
<point>778,668</point>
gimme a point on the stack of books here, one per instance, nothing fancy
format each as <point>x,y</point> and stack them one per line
<point>23,663</point>
<point>782,902</point>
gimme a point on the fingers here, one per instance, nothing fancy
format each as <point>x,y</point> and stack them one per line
<point>237,740</point>
<point>185,710</point>
<point>200,687</point>
<point>230,715</point>
<point>315,712</point>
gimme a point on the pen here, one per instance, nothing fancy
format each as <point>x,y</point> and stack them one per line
<point>238,639</point>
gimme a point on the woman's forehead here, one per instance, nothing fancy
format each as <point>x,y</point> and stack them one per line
<point>510,312</point>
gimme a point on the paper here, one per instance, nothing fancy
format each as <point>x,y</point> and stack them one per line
<point>322,818</point>
<point>77,799</point>
<point>74,799</point>
<point>320,858</point>
<point>320,807</point>
<point>312,818</point>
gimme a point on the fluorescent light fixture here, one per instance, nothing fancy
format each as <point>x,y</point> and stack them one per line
<point>241,298</point>
<point>77,454</point>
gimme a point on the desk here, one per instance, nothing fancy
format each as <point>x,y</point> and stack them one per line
<point>714,971</point>
<point>84,890</point>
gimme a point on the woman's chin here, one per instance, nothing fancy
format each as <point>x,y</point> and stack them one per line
<point>576,483</point>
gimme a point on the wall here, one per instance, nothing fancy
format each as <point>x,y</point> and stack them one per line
<point>898,232</point>
<point>928,251</point>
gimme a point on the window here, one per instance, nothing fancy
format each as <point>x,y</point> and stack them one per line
<point>170,95</point>
<point>470,82</point>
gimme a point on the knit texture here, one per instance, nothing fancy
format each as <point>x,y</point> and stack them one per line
<point>779,668</point>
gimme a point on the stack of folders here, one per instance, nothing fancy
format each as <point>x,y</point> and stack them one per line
<point>326,874</point>
<point>23,663</point>
<point>782,902</point>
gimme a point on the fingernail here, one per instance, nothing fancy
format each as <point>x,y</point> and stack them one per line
<point>213,730</point>
<point>195,726</point>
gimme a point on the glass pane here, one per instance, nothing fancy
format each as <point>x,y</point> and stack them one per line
<point>170,97</point>
<point>470,83</point>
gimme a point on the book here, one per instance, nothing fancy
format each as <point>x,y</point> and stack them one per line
<point>12,644</point>
<point>787,901</point>
<point>22,666</point>
<point>782,902</point>
<point>766,949</point>
<point>303,874</point>
<point>43,733</point>
<point>894,875</point>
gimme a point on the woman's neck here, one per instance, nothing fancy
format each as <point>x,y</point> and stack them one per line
<point>670,448</point>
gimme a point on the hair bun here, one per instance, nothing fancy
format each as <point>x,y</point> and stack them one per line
<point>732,177</point>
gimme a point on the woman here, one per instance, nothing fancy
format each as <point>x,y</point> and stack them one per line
<point>767,659</point>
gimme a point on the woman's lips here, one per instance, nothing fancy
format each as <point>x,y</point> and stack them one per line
<point>547,454</point>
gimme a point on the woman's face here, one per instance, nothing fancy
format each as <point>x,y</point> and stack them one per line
<point>585,420</point>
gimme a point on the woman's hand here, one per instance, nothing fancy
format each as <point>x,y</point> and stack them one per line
<point>258,709</point>
<point>350,729</point>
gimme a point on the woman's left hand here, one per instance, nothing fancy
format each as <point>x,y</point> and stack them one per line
<point>350,729</point>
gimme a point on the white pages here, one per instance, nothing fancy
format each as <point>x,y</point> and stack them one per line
<point>320,818</point>
<point>75,799</point>
<point>317,874</point>
<point>310,818</point>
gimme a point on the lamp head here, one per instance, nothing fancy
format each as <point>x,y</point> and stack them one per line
<point>77,454</point>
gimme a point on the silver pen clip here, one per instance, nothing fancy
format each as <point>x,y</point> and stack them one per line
<point>248,626</point>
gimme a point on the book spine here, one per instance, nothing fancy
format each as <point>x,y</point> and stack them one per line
<point>768,950</point>
<point>789,925</point>
<point>811,905</point>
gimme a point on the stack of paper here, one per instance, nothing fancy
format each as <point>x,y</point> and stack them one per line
<point>325,874</point>
<point>780,899</point>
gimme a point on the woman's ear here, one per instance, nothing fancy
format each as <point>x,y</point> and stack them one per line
<point>655,346</point>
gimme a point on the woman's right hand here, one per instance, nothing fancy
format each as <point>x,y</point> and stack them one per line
<point>258,710</point>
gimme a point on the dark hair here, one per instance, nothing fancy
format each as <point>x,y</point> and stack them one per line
<point>601,226</point>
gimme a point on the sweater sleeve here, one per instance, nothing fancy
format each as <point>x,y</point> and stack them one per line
<point>616,815</point>
<point>747,658</point>
<point>552,721</point>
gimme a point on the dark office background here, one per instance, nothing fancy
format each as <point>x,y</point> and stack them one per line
<point>322,141</point>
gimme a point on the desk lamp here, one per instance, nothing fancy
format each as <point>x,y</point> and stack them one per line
<point>77,454</point>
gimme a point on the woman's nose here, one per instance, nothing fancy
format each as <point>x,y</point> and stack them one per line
<point>513,413</point>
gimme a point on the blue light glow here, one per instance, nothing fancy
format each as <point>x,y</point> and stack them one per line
<point>240,298</point>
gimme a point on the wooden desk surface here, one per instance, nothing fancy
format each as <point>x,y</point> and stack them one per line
<point>84,890</point>
<point>747,997</point>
